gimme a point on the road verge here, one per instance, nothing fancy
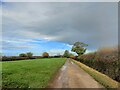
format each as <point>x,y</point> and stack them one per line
<point>101,78</point>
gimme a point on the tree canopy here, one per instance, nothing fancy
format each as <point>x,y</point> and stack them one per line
<point>23,55</point>
<point>29,54</point>
<point>79,48</point>
<point>45,55</point>
<point>66,53</point>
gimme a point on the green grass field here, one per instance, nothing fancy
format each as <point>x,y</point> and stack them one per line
<point>29,73</point>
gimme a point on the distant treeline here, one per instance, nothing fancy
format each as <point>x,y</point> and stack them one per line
<point>104,60</point>
<point>15,58</point>
<point>29,55</point>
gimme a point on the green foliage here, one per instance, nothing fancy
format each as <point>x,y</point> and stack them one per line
<point>66,53</point>
<point>29,54</point>
<point>79,48</point>
<point>29,73</point>
<point>57,56</point>
<point>23,55</point>
<point>13,58</point>
<point>45,55</point>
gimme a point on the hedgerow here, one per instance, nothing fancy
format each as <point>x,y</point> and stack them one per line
<point>104,60</point>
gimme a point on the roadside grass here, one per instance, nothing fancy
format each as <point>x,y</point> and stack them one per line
<point>101,78</point>
<point>30,73</point>
<point>0,76</point>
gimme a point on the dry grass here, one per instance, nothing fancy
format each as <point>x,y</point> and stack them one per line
<point>101,78</point>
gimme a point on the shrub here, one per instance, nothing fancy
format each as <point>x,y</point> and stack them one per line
<point>105,60</point>
<point>45,55</point>
<point>13,58</point>
<point>23,55</point>
<point>37,57</point>
<point>101,78</point>
<point>57,56</point>
<point>29,55</point>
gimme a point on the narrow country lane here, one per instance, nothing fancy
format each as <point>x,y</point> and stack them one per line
<point>72,76</point>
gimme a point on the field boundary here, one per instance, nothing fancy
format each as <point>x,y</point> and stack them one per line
<point>55,75</point>
<point>101,78</point>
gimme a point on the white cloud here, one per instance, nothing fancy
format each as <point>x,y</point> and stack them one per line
<point>16,45</point>
<point>56,52</point>
<point>68,45</point>
<point>88,51</point>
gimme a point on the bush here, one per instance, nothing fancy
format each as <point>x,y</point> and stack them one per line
<point>13,58</point>
<point>29,55</point>
<point>23,55</point>
<point>105,60</point>
<point>57,56</point>
<point>45,55</point>
<point>37,57</point>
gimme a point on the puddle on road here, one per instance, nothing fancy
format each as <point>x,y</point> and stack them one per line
<point>63,68</point>
<point>62,71</point>
<point>72,62</point>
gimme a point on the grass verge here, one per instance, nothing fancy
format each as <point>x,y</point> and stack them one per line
<point>29,73</point>
<point>0,76</point>
<point>101,78</point>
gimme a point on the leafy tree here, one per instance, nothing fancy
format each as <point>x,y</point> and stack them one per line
<point>66,53</point>
<point>23,55</point>
<point>79,48</point>
<point>29,54</point>
<point>45,55</point>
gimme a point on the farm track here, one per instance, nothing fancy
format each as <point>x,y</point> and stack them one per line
<point>72,76</point>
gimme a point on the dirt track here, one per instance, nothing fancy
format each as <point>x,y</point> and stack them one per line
<point>72,76</point>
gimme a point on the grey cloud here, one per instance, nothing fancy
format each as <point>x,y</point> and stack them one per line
<point>92,23</point>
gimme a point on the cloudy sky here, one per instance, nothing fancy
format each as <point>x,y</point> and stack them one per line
<point>55,26</point>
